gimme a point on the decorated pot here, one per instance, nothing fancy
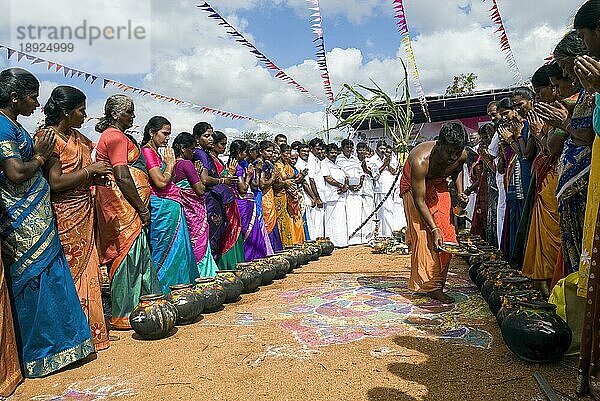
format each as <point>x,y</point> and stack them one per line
<point>212,292</point>
<point>154,317</point>
<point>189,304</point>
<point>506,285</point>
<point>535,333</point>
<point>493,277</point>
<point>487,270</point>
<point>232,284</point>
<point>266,269</point>
<point>250,277</point>
<point>510,302</point>
<point>290,256</point>
<point>314,248</point>
<point>280,264</point>
<point>326,246</point>
<point>479,262</point>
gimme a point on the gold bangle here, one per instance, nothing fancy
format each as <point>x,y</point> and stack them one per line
<point>436,228</point>
<point>87,173</point>
<point>40,159</point>
<point>166,172</point>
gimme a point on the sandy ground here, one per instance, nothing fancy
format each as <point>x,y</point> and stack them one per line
<point>254,350</point>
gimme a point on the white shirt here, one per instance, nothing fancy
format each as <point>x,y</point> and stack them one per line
<point>384,180</point>
<point>314,172</point>
<point>351,167</point>
<point>328,168</point>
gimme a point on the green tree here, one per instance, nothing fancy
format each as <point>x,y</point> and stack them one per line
<point>463,83</point>
<point>254,136</point>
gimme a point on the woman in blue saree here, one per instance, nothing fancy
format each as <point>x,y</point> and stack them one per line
<point>169,234</point>
<point>51,328</point>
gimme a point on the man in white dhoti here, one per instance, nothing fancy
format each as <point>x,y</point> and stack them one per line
<point>399,221</point>
<point>315,214</point>
<point>355,175</point>
<point>307,195</point>
<point>494,151</point>
<point>367,194</point>
<point>334,196</point>
<point>384,166</point>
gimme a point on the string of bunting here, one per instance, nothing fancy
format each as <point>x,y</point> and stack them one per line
<point>317,28</point>
<point>504,42</point>
<point>400,15</point>
<point>238,37</point>
<point>56,67</point>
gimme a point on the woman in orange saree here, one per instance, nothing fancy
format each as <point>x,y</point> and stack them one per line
<point>267,178</point>
<point>70,172</point>
<point>287,200</point>
<point>10,371</point>
<point>123,215</point>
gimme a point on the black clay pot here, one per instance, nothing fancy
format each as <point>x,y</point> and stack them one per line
<point>231,283</point>
<point>486,271</point>
<point>326,245</point>
<point>506,285</point>
<point>189,304</point>
<point>493,278</point>
<point>511,300</point>
<point>212,292</point>
<point>535,333</point>
<point>249,276</point>
<point>266,269</point>
<point>154,317</point>
<point>280,264</point>
<point>290,257</point>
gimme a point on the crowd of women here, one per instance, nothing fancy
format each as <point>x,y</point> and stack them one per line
<point>155,215</point>
<point>536,175</point>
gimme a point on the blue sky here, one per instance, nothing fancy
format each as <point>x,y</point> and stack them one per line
<point>193,59</point>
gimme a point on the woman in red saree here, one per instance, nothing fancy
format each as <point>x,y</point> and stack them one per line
<point>70,172</point>
<point>123,214</point>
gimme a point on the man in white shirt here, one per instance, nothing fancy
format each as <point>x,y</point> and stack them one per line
<point>384,166</point>
<point>367,194</point>
<point>355,175</point>
<point>494,151</point>
<point>315,213</point>
<point>334,196</point>
<point>301,165</point>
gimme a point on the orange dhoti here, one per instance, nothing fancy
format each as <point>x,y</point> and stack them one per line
<point>428,267</point>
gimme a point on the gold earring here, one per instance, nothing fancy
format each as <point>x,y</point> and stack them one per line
<point>66,115</point>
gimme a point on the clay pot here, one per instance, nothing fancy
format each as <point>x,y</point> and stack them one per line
<point>478,262</point>
<point>290,256</point>
<point>266,269</point>
<point>510,302</point>
<point>249,276</point>
<point>326,246</point>
<point>493,277</point>
<point>486,270</point>
<point>280,264</point>
<point>189,304</point>
<point>314,248</point>
<point>154,317</point>
<point>232,284</point>
<point>212,292</point>
<point>503,286</point>
<point>535,333</point>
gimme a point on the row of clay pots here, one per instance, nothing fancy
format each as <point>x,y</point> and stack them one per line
<point>530,326</point>
<point>156,315</point>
